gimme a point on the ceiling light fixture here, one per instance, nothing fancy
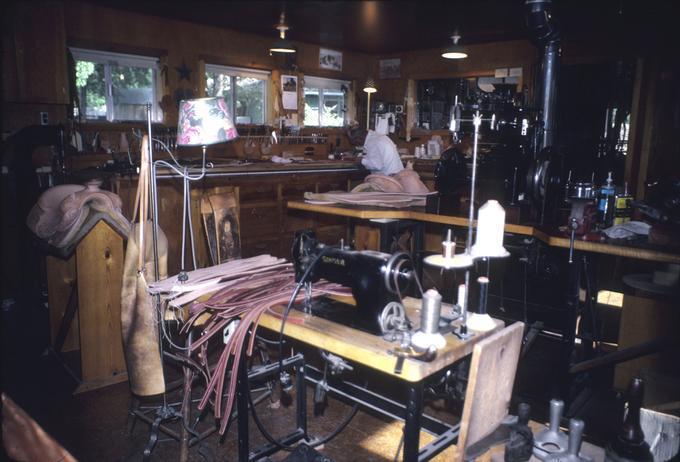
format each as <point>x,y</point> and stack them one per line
<point>282,45</point>
<point>455,51</point>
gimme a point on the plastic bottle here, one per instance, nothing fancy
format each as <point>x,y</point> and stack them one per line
<point>606,202</point>
<point>622,207</point>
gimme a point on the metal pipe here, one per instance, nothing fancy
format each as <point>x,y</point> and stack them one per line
<point>549,70</point>
<point>273,172</point>
<point>545,30</point>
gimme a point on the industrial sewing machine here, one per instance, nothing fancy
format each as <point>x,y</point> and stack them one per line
<point>377,281</point>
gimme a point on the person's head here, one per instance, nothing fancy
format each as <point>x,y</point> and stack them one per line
<point>356,135</point>
<point>464,144</point>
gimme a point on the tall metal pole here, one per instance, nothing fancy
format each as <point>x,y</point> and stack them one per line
<point>368,111</point>
<point>154,233</point>
<point>476,121</point>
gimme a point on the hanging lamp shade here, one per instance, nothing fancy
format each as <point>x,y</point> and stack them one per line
<point>455,51</point>
<point>369,86</point>
<point>282,45</point>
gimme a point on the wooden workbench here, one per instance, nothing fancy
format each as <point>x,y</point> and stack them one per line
<point>371,350</point>
<point>418,214</point>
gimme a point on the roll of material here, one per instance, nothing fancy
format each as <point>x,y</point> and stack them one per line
<point>490,229</point>
<point>430,312</point>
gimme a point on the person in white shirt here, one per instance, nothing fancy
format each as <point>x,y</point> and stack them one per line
<point>380,152</point>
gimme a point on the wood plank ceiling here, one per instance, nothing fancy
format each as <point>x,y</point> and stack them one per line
<point>385,27</point>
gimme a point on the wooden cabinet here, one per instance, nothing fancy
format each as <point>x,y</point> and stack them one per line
<point>266,224</point>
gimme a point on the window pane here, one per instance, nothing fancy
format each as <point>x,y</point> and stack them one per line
<point>311,106</point>
<point>91,85</point>
<point>250,100</point>
<point>132,90</point>
<point>333,105</point>
<point>217,84</point>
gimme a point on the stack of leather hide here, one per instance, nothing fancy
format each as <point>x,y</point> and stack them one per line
<point>403,189</point>
<point>241,289</point>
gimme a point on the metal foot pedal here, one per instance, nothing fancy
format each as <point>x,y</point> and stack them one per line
<point>305,453</point>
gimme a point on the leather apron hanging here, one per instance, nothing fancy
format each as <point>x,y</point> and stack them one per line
<point>138,309</point>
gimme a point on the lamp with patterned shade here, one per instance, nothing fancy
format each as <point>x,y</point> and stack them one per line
<point>204,121</point>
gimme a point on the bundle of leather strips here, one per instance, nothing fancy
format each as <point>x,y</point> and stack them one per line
<point>246,297</point>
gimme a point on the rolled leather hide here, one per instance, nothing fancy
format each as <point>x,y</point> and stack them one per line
<point>139,317</point>
<point>384,183</point>
<point>410,181</point>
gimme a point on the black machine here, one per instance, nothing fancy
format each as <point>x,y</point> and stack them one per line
<point>377,281</point>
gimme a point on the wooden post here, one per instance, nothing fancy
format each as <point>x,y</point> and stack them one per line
<point>99,266</point>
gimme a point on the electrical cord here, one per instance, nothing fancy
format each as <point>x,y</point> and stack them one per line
<point>296,290</point>
<point>591,308</point>
<point>401,443</point>
<point>268,436</point>
<point>256,418</point>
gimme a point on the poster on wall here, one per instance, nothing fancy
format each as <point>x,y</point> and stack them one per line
<point>390,68</point>
<point>289,98</point>
<point>330,59</point>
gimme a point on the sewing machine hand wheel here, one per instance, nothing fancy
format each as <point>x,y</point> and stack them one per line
<point>393,316</point>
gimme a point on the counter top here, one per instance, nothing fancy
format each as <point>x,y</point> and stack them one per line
<point>612,247</point>
<point>245,167</point>
<point>228,167</point>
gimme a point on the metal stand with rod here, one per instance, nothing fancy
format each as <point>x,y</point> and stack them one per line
<point>167,412</point>
<point>465,260</point>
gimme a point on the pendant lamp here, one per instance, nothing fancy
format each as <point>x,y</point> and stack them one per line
<point>455,51</point>
<point>282,45</point>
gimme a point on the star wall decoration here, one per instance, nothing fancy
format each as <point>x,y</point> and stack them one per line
<point>184,72</point>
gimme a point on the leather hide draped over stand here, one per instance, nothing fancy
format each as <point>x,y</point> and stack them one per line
<point>138,309</point>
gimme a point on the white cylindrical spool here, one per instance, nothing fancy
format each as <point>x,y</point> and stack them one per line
<point>430,311</point>
<point>490,229</point>
<point>448,249</point>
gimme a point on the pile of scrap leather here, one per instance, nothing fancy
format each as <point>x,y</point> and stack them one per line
<point>208,280</point>
<point>240,292</point>
<point>403,189</point>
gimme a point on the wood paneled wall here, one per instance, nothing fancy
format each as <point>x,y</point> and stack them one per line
<point>428,64</point>
<point>91,25</point>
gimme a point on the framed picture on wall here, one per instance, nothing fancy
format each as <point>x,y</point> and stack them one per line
<point>330,59</point>
<point>390,68</point>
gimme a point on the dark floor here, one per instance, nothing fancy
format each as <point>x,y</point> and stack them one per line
<point>95,425</point>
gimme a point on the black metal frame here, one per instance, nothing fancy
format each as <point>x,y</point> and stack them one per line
<point>261,373</point>
<point>411,413</point>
